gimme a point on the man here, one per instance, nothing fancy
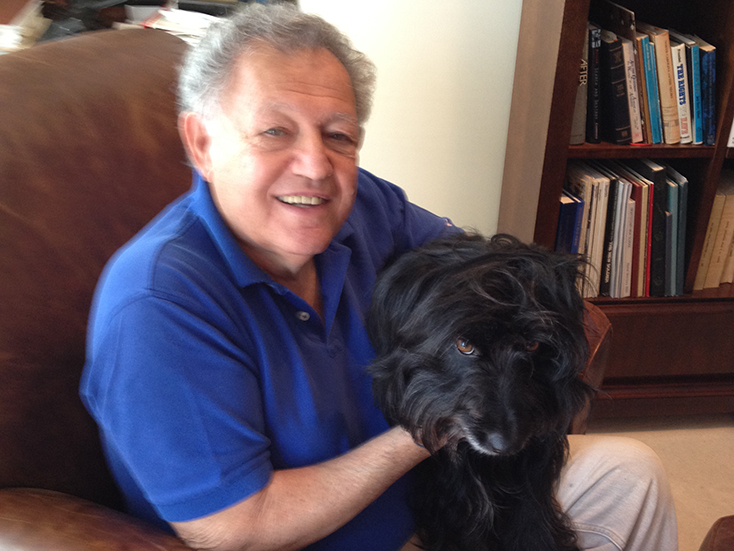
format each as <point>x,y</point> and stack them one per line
<point>227,346</point>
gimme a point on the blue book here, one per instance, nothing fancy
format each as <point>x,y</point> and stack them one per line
<point>694,83</point>
<point>653,97</point>
<point>707,54</point>
<point>569,224</point>
<point>695,64</point>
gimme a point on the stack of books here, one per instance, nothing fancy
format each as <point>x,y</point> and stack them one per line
<point>628,219</point>
<point>642,84</point>
<point>717,258</point>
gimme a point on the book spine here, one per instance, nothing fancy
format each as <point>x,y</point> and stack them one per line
<point>627,255</point>
<point>728,274</point>
<point>633,96</point>
<point>721,245</point>
<point>566,219</point>
<point>608,258</point>
<point>695,91</point>
<point>577,226</point>
<point>578,126</point>
<point>682,228</point>
<point>593,103</point>
<point>666,85</point>
<point>671,282</point>
<point>708,243</point>
<point>680,71</point>
<point>638,231</point>
<point>708,96</point>
<point>642,85</point>
<point>615,110</point>
<point>653,94</point>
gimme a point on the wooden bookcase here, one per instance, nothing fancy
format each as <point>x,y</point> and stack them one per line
<point>669,355</point>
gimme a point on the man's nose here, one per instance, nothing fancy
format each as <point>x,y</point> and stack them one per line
<point>311,157</point>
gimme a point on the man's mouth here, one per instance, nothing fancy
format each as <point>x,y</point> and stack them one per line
<point>301,200</point>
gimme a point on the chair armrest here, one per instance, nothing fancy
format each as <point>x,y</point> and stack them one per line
<point>599,336</point>
<point>721,536</point>
<point>35,520</point>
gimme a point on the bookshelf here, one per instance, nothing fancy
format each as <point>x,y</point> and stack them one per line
<point>669,355</point>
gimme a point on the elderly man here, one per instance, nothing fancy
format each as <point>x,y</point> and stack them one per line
<point>227,347</point>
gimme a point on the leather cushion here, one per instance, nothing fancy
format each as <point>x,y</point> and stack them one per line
<point>89,153</point>
<point>721,536</point>
<point>37,520</point>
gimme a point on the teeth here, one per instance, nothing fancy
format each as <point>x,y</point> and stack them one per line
<point>301,200</point>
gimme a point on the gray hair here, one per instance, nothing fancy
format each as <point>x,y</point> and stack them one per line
<point>207,66</point>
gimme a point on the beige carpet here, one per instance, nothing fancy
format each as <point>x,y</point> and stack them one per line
<point>698,454</point>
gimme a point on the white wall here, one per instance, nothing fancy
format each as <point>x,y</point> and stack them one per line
<point>444,84</point>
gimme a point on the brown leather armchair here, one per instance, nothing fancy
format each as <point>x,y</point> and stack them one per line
<point>720,536</point>
<point>89,153</point>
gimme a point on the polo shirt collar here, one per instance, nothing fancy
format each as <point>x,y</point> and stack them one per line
<point>332,263</point>
<point>245,271</point>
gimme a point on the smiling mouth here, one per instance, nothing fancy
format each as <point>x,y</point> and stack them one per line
<point>301,200</point>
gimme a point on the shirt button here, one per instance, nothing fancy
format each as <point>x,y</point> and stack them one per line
<point>303,316</point>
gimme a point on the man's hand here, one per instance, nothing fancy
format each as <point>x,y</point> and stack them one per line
<point>301,506</point>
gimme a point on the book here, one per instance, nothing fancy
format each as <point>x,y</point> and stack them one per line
<point>641,41</point>
<point>619,240</point>
<point>621,21</point>
<point>727,275</point>
<point>190,26</point>
<point>578,126</point>
<point>694,83</point>
<point>589,183</point>
<point>666,81</point>
<point>680,70</point>
<point>569,224</point>
<point>641,196</point>
<point>21,24</point>
<point>730,143</point>
<point>633,97</point>
<point>593,98</point>
<point>625,288</point>
<point>607,262</point>
<point>655,173</point>
<point>653,98</point>
<point>615,115</point>
<point>724,234</point>
<point>711,229</point>
<point>671,283</point>
<point>682,183</point>
<point>707,54</point>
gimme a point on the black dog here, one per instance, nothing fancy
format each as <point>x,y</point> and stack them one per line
<point>479,345</point>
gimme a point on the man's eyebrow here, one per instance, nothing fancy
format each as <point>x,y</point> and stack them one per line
<point>282,106</point>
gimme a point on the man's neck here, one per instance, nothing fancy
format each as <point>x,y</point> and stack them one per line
<point>299,277</point>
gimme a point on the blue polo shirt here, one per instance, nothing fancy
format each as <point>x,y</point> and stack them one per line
<point>205,375</point>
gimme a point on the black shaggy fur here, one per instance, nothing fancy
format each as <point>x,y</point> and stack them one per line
<point>479,345</point>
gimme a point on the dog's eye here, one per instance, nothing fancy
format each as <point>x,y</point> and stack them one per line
<point>465,347</point>
<point>532,346</point>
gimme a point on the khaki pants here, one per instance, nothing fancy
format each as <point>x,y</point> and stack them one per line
<point>617,495</point>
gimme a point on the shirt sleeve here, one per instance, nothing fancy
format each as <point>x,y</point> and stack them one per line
<point>176,400</point>
<point>384,211</point>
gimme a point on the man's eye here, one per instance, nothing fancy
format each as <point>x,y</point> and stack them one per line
<point>340,137</point>
<point>465,347</point>
<point>275,132</point>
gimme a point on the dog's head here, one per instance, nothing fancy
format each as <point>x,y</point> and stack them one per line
<point>479,340</point>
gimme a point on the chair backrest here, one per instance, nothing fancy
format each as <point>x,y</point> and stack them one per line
<point>89,153</point>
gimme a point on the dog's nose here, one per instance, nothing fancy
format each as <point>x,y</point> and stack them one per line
<point>496,442</point>
<point>489,443</point>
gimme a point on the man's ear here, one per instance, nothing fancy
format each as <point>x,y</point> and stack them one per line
<point>197,141</point>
